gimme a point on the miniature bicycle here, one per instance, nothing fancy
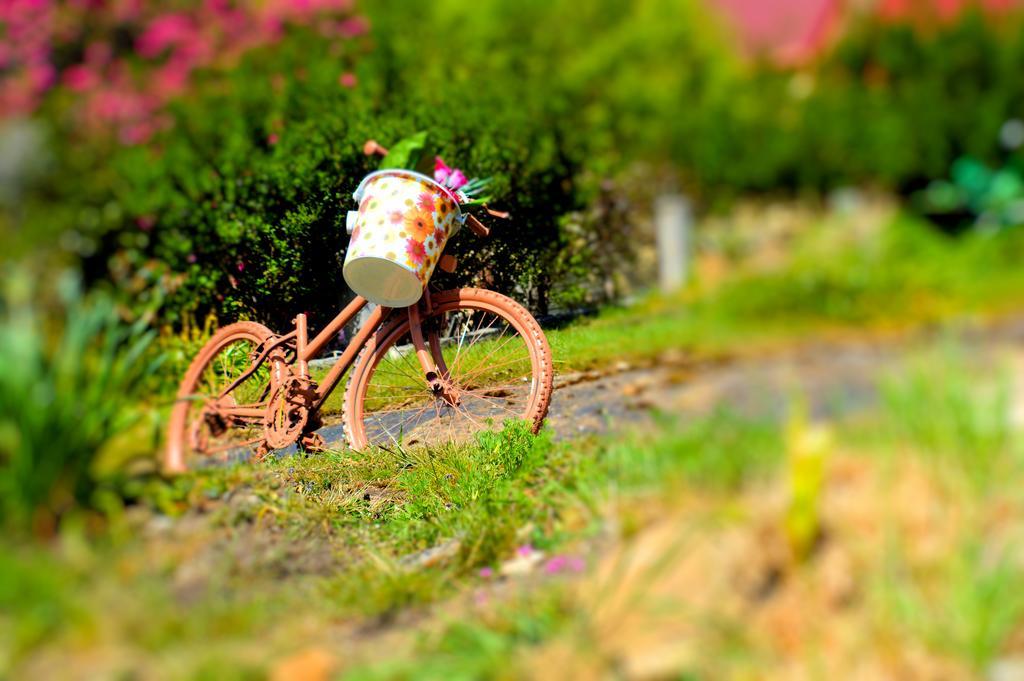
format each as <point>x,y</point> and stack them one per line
<point>438,371</point>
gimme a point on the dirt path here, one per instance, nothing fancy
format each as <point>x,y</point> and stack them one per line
<point>834,377</point>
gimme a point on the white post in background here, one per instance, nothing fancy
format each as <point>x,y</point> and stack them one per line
<point>673,221</point>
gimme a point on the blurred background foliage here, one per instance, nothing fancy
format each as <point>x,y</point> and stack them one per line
<point>169,167</point>
<point>199,170</point>
<point>194,163</point>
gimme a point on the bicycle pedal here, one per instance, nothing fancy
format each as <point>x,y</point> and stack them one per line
<point>313,443</point>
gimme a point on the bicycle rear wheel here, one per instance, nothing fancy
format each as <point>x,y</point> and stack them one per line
<point>491,355</point>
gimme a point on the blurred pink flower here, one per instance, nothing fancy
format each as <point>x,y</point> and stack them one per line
<point>162,33</point>
<point>356,26</point>
<point>137,133</point>
<point>171,79</point>
<point>127,95</point>
<point>457,179</point>
<point>145,222</point>
<point>272,138</point>
<point>525,550</point>
<point>42,75</point>
<point>441,170</point>
<point>559,564</point>
<point>486,572</point>
<point>80,77</point>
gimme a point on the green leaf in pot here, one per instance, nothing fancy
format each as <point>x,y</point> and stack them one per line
<point>406,153</point>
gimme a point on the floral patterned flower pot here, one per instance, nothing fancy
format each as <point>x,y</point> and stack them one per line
<point>398,235</point>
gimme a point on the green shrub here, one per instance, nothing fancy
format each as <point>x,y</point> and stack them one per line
<point>238,206</point>
<point>64,393</point>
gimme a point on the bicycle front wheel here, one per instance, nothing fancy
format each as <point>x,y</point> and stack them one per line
<point>198,430</point>
<point>491,355</point>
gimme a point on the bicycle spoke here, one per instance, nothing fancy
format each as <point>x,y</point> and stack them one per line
<point>483,361</point>
<point>467,379</point>
<point>213,422</point>
<point>480,334</point>
<point>231,445</point>
<point>491,374</point>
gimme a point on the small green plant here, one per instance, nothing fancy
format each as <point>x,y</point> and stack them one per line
<point>970,606</point>
<point>64,392</point>
<point>807,450</point>
<point>976,195</point>
<point>941,406</point>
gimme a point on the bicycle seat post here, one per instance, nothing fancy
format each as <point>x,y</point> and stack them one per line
<point>301,338</point>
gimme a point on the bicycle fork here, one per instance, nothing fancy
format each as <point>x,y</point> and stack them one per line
<point>431,359</point>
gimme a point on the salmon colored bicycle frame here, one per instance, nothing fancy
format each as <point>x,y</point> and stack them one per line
<point>431,360</point>
<point>434,369</point>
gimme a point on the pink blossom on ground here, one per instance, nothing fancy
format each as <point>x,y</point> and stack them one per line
<point>486,572</point>
<point>525,550</point>
<point>348,79</point>
<point>241,266</point>
<point>560,564</point>
<point>191,258</point>
<point>272,139</point>
<point>145,222</point>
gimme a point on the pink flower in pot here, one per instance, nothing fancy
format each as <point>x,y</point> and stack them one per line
<point>457,179</point>
<point>441,170</point>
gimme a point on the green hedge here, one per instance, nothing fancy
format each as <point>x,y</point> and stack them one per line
<point>239,207</point>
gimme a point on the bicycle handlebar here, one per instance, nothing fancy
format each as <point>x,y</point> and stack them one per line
<point>373,148</point>
<point>479,228</point>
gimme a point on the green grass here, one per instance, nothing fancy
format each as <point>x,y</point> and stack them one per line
<point>368,515</point>
<point>907,276</point>
<point>940,404</point>
<point>722,451</point>
<point>969,604</point>
<point>348,532</point>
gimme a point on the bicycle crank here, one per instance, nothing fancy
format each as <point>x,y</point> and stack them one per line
<point>289,413</point>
